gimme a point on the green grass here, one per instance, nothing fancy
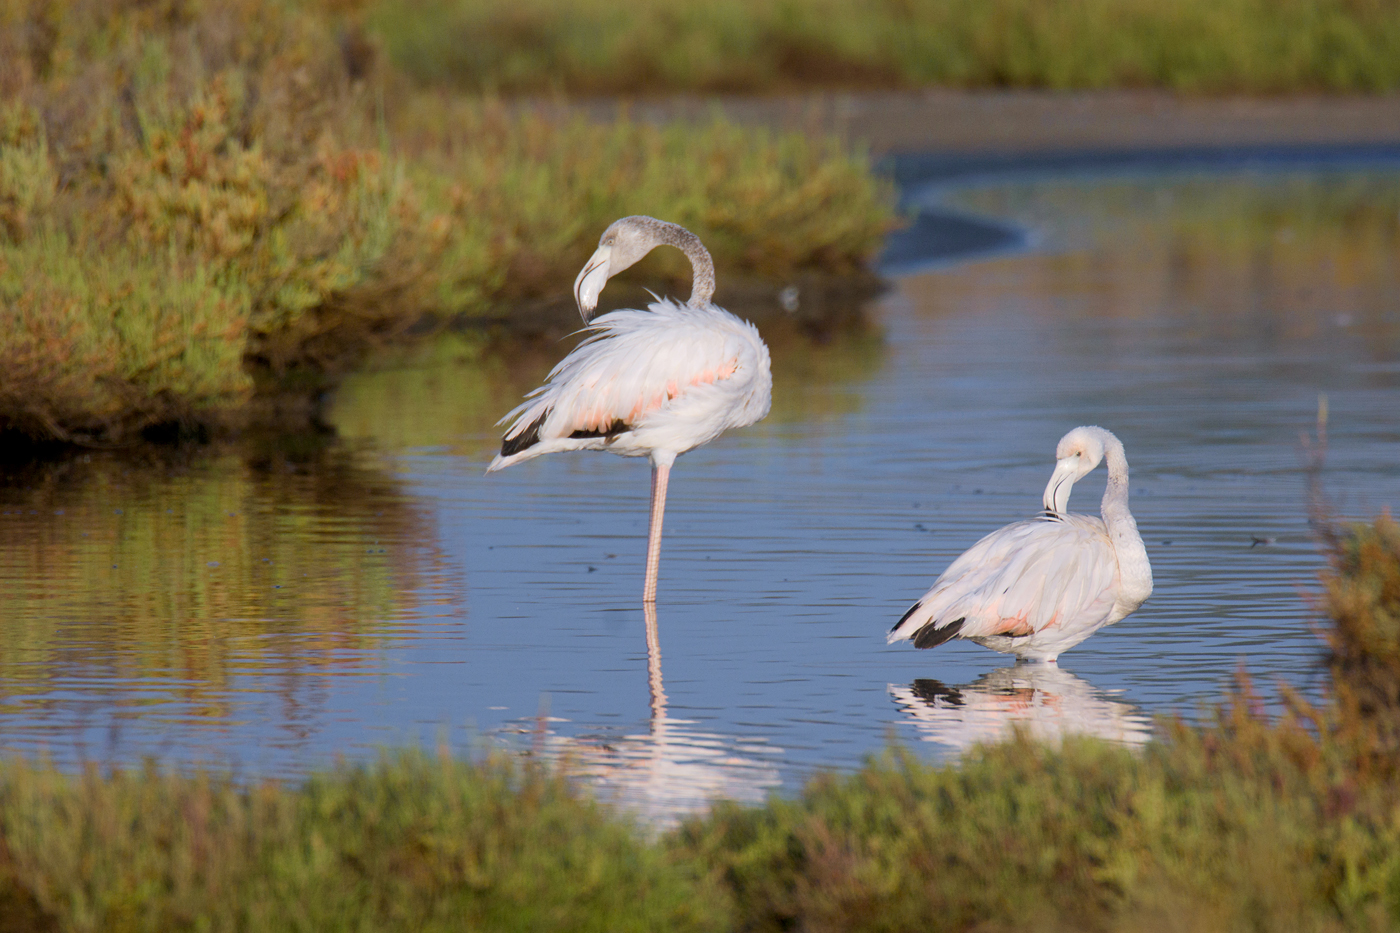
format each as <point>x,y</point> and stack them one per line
<point>655,46</point>
<point>204,202</point>
<point>1241,824</point>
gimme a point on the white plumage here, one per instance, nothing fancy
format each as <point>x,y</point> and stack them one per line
<point>1037,588</point>
<point>652,383</point>
<point>670,378</point>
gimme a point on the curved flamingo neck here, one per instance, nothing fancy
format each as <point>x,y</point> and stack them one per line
<point>702,267</point>
<point>1133,566</point>
<point>639,234</point>
<point>1115,493</point>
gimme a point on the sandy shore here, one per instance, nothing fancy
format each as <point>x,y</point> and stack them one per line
<point>952,121</point>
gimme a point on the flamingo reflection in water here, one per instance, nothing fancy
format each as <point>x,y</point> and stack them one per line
<point>1044,700</point>
<point>652,383</point>
<point>1037,588</point>
<point>672,770</point>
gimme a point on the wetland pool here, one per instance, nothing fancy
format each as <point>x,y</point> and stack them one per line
<point>270,610</point>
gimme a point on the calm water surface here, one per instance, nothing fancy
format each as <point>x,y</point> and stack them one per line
<point>269,611</point>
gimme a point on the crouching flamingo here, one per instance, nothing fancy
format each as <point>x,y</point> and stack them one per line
<point>1037,588</point>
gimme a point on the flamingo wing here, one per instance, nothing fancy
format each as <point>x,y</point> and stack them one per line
<point>633,364</point>
<point>1017,581</point>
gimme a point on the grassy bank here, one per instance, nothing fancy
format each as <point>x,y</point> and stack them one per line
<point>415,843</point>
<point>654,46</point>
<point>199,201</point>
<point>1241,824</point>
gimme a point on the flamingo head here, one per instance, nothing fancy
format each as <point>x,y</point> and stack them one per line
<point>1076,456</point>
<point>622,245</point>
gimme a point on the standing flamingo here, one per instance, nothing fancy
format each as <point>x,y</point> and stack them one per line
<point>649,383</point>
<point>1039,587</point>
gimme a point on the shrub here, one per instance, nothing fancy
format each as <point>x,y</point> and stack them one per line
<point>204,201</point>
<point>411,842</point>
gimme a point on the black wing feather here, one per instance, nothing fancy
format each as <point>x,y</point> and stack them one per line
<point>931,637</point>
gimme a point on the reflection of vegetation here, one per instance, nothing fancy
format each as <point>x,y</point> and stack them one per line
<point>1240,825</point>
<point>176,577</point>
<point>1301,253</point>
<point>451,391</point>
<point>186,188</point>
<point>1306,211</point>
<point>448,392</point>
<point>647,46</point>
<point>816,379</point>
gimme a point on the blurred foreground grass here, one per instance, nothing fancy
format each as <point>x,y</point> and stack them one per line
<point>1242,824</point>
<point>653,46</point>
<point>202,200</point>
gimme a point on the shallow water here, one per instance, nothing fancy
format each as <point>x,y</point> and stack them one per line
<point>270,610</point>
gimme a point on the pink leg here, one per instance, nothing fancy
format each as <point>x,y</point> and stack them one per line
<point>659,476</point>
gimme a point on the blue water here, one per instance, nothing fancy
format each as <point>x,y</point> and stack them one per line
<point>402,595</point>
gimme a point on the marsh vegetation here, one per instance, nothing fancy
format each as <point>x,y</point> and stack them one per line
<point>657,46</point>
<point>203,203</point>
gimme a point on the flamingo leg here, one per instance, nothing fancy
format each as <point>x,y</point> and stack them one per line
<point>659,476</point>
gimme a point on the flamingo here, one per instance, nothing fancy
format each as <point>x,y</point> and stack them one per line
<point>652,383</point>
<point>1037,588</point>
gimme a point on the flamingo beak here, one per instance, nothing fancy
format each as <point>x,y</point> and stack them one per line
<point>1061,484</point>
<point>589,284</point>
